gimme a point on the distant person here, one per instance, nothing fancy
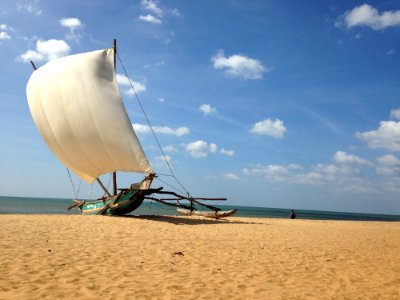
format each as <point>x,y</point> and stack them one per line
<point>292,214</point>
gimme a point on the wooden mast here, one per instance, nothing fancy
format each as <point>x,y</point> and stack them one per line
<point>115,66</point>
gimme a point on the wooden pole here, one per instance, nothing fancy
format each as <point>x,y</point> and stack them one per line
<point>115,66</point>
<point>103,187</point>
<point>115,53</point>
<point>33,65</point>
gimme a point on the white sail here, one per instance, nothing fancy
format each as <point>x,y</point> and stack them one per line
<point>76,106</point>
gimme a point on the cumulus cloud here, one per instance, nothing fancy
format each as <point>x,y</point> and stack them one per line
<point>46,51</point>
<point>207,109</point>
<point>143,129</point>
<point>4,27</point>
<point>170,148</point>
<point>344,158</point>
<point>150,19</point>
<point>388,165</point>
<point>387,136</point>
<point>227,152</point>
<point>175,12</point>
<point>395,113</point>
<point>200,149</point>
<point>275,172</point>
<point>151,6</point>
<point>239,66</point>
<point>4,32</point>
<point>4,36</point>
<point>73,24</point>
<point>274,128</point>
<point>366,15</point>
<point>230,176</point>
<point>162,159</point>
<point>29,6</point>
<point>338,175</point>
<point>126,87</point>
<point>343,175</point>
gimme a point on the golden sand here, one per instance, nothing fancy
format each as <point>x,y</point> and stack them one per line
<point>97,257</point>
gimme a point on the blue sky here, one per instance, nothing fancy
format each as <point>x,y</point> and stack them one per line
<point>292,104</point>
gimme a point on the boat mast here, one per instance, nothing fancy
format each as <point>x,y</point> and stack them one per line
<point>115,66</point>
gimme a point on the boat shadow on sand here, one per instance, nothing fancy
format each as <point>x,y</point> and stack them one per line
<point>178,220</point>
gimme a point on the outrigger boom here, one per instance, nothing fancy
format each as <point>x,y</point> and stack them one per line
<point>180,197</point>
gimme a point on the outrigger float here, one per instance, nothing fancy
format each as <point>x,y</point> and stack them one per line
<point>76,105</point>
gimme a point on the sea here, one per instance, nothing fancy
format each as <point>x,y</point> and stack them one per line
<point>25,205</point>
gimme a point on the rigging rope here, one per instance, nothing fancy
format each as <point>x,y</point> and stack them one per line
<point>170,185</point>
<point>151,128</point>
<point>76,192</point>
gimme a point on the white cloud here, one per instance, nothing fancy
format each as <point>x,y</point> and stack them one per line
<point>333,170</point>
<point>230,176</point>
<point>274,128</point>
<point>4,27</point>
<point>366,15</point>
<point>161,159</point>
<point>4,36</point>
<point>275,172</point>
<point>170,148</point>
<point>73,24</point>
<point>387,136</point>
<point>294,173</point>
<point>227,152</point>
<point>175,12</point>
<point>239,65</point>
<point>395,113</point>
<point>143,129</point>
<point>152,6</point>
<point>213,148</point>
<point>200,149</point>
<point>344,158</point>
<point>150,19</point>
<point>126,87</point>
<point>46,50</point>
<point>207,109</point>
<point>30,55</point>
<point>29,6</point>
<point>388,165</point>
<point>53,49</point>
<point>388,160</point>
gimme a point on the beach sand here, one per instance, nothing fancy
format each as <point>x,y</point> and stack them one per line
<point>98,257</point>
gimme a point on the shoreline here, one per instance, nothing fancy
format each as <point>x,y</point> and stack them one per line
<point>65,256</point>
<point>23,205</point>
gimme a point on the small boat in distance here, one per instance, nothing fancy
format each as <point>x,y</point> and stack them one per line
<point>76,105</point>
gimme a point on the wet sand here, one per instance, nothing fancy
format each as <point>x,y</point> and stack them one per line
<point>97,257</point>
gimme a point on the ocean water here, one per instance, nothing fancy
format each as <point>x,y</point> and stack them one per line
<point>24,205</point>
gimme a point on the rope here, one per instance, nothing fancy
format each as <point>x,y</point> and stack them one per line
<point>152,130</point>
<point>170,185</point>
<point>76,192</point>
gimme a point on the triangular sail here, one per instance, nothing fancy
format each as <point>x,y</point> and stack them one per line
<point>76,106</point>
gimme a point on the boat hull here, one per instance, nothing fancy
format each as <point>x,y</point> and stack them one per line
<point>120,204</point>
<point>207,214</point>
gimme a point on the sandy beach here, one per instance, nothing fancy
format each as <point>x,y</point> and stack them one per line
<point>97,257</point>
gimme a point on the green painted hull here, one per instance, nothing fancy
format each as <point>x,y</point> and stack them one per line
<point>120,204</point>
